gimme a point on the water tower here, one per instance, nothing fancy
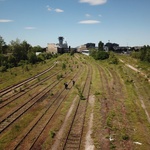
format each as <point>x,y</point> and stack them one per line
<point>60,41</point>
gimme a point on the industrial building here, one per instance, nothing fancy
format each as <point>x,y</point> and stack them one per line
<point>59,47</point>
<point>86,46</point>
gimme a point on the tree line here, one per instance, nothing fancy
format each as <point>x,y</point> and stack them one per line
<point>101,54</point>
<point>143,54</point>
<point>18,53</point>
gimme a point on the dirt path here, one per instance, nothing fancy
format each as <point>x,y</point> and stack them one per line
<point>89,141</point>
<point>136,70</point>
<point>143,104</point>
<point>141,99</point>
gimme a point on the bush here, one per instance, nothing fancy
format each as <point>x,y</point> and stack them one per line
<point>52,134</point>
<point>125,137</point>
<point>113,59</point>
<point>59,76</point>
<point>99,55</point>
<point>63,66</point>
<point>3,69</point>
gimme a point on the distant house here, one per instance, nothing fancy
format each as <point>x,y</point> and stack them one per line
<point>137,48</point>
<point>122,49</point>
<point>90,45</point>
<point>80,48</point>
<point>86,46</point>
<point>110,46</point>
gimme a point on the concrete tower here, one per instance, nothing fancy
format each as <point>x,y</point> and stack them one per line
<point>60,41</point>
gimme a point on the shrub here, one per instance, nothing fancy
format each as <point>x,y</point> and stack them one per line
<point>99,55</point>
<point>63,66</point>
<point>125,137</point>
<point>113,59</point>
<point>59,76</point>
<point>3,69</point>
<point>52,134</point>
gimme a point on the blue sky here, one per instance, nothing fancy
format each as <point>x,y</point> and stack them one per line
<point>126,22</point>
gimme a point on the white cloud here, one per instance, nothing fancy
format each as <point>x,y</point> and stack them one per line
<point>59,10</point>
<point>87,15</point>
<point>56,10</point>
<point>5,20</point>
<point>30,28</point>
<point>89,22</point>
<point>48,8</point>
<point>93,2</point>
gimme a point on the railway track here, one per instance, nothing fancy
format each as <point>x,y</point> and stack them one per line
<point>43,107</point>
<point>13,97</point>
<point>74,136</point>
<point>105,105</point>
<point>114,111</point>
<point>20,84</point>
<point>43,119</point>
<point>7,119</point>
<point>121,122</point>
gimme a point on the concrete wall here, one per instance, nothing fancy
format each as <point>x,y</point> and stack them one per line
<point>51,48</point>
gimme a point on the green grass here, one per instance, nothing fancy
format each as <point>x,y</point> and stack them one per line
<point>17,74</point>
<point>138,124</point>
<point>137,129</point>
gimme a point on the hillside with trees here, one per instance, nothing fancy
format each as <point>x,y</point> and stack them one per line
<point>19,53</point>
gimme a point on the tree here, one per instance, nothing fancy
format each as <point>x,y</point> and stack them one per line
<point>2,43</point>
<point>11,61</point>
<point>147,57</point>
<point>26,47</point>
<point>98,54</point>
<point>100,46</point>
<point>32,58</point>
<point>19,49</point>
<point>113,59</point>
<point>37,49</point>
<point>143,52</point>
<point>101,55</point>
<point>1,59</point>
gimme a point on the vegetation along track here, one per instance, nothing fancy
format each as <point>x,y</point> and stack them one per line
<point>20,84</point>
<point>114,118</point>
<point>123,99</point>
<point>30,140</point>
<point>58,118</point>
<point>28,88</point>
<point>18,111</point>
<point>74,137</point>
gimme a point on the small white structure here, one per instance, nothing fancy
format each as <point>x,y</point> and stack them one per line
<point>37,53</point>
<point>85,52</point>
